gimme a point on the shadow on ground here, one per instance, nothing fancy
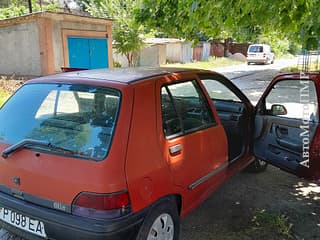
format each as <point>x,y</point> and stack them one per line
<point>230,212</point>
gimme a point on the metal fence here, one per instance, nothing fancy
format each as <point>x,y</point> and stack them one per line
<point>309,61</point>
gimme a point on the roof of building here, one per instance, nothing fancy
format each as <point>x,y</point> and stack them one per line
<point>52,15</point>
<point>162,40</point>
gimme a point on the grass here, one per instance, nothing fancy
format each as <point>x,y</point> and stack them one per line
<point>313,66</point>
<point>3,97</point>
<point>266,222</point>
<point>285,56</point>
<point>211,63</point>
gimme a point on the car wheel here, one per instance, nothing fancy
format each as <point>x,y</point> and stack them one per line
<point>272,62</point>
<point>162,223</point>
<point>248,63</point>
<point>257,166</point>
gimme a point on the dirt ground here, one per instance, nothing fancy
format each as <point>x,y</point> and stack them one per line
<point>288,207</point>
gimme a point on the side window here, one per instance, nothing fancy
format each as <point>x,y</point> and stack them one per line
<point>219,91</point>
<point>298,97</point>
<point>170,119</point>
<point>184,108</point>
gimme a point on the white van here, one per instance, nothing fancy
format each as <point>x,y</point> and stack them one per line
<point>260,53</point>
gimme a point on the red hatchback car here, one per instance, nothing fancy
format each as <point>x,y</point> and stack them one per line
<point>124,153</point>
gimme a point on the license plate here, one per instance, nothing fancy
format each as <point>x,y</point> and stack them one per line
<point>22,221</point>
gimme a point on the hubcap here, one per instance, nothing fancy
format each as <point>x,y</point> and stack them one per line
<point>162,228</point>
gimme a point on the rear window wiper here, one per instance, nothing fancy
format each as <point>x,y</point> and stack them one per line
<point>33,143</point>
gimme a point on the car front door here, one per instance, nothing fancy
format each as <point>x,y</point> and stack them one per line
<point>286,126</point>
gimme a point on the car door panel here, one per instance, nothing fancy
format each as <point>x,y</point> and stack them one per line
<point>281,141</point>
<point>286,140</point>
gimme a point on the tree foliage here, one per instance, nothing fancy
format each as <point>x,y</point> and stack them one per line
<point>17,8</point>
<point>126,31</point>
<point>240,19</point>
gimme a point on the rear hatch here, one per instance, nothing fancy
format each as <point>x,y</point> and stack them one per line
<point>256,52</point>
<point>55,145</point>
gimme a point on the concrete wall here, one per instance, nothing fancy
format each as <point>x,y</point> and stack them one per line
<point>179,52</point>
<point>120,59</point>
<point>174,52</point>
<point>153,56</point>
<point>37,44</point>
<point>20,50</point>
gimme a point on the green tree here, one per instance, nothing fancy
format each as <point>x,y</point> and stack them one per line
<point>298,19</point>
<point>17,8</point>
<point>126,32</point>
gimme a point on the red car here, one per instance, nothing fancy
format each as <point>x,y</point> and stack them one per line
<point>125,153</point>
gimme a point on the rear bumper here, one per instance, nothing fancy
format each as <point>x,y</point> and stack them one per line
<point>60,225</point>
<point>257,60</point>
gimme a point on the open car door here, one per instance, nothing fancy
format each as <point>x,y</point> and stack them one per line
<point>287,131</point>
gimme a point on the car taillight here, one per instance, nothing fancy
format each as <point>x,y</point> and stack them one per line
<point>101,206</point>
<point>264,55</point>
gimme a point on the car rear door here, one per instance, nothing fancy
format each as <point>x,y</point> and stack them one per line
<point>286,125</point>
<point>194,142</point>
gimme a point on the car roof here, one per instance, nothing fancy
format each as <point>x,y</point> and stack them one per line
<point>120,75</point>
<point>259,44</point>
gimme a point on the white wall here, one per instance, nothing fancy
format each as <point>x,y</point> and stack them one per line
<point>19,49</point>
<point>153,56</point>
<point>174,52</point>
<point>119,58</point>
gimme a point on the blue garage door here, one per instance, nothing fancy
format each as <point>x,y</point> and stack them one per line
<point>88,53</point>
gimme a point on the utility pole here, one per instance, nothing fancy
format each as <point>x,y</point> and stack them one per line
<point>30,6</point>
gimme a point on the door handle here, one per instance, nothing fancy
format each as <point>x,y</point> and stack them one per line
<point>175,150</point>
<point>282,130</point>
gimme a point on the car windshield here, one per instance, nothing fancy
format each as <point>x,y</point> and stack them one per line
<point>256,49</point>
<point>78,118</point>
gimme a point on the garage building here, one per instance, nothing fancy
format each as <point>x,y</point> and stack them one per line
<point>42,43</point>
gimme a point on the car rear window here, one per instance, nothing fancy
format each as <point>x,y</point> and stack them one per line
<point>256,49</point>
<point>78,118</point>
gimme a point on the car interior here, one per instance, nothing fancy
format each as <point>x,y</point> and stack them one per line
<point>232,113</point>
<point>233,116</point>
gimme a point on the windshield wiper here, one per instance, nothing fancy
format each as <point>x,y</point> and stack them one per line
<point>36,143</point>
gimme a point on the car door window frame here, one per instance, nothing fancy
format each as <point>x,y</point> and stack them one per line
<point>263,110</point>
<point>204,105</point>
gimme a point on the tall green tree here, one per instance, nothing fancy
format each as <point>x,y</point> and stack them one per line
<point>298,19</point>
<point>15,8</point>
<point>126,32</point>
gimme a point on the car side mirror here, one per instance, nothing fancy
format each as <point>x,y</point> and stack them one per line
<point>277,109</point>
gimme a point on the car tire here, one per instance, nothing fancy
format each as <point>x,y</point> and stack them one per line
<point>257,166</point>
<point>248,63</point>
<point>162,222</point>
